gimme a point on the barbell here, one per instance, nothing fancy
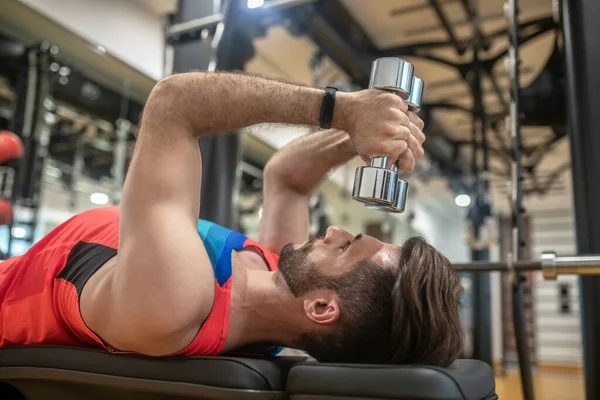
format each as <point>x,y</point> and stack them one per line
<point>550,265</point>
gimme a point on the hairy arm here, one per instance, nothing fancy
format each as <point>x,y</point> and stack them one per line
<point>162,287</point>
<point>289,178</point>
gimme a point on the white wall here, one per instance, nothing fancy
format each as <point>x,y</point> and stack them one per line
<point>124,28</point>
<point>440,221</point>
<point>558,335</point>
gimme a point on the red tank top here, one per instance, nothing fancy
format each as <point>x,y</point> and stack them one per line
<point>40,290</point>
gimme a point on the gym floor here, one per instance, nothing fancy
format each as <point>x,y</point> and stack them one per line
<point>547,386</point>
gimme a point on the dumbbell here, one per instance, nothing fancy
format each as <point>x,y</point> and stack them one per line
<point>376,185</point>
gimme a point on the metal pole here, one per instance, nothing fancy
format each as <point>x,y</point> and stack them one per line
<point>581,47</point>
<point>518,247</point>
<point>481,317</point>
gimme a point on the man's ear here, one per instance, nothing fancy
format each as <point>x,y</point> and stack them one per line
<point>322,309</point>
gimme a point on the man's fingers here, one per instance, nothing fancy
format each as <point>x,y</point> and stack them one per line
<point>406,161</point>
<point>417,133</point>
<point>397,147</point>
<point>414,118</point>
<point>415,147</point>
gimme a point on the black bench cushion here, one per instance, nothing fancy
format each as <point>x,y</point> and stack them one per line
<point>465,380</point>
<point>226,372</point>
<point>48,372</point>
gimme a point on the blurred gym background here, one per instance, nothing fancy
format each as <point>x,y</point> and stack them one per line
<point>74,76</point>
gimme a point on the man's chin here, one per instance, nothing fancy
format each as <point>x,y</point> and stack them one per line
<point>288,248</point>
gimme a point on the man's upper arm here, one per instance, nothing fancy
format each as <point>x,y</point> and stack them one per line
<point>163,281</point>
<point>285,215</point>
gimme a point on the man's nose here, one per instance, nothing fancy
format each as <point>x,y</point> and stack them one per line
<point>335,234</point>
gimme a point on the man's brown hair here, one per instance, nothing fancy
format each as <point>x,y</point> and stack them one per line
<point>426,325</point>
<point>405,314</point>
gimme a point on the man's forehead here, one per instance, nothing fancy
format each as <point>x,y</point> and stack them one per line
<point>389,255</point>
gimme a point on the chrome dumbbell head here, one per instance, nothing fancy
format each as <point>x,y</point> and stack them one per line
<point>375,185</point>
<point>393,74</point>
<point>400,196</point>
<point>416,94</point>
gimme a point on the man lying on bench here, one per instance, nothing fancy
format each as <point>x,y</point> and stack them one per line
<point>148,277</point>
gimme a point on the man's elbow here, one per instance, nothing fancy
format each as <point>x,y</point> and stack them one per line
<point>167,90</point>
<point>279,176</point>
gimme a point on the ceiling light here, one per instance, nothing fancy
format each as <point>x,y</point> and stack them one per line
<point>462,200</point>
<point>255,3</point>
<point>99,198</point>
<point>19,232</point>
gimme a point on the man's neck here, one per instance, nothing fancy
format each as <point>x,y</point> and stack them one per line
<point>261,307</point>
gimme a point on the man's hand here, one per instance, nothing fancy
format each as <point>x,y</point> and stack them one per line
<point>380,125</point>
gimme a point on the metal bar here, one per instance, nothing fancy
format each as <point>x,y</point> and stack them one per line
<point>486,266</point>
<point>419,7</point>
<point>541,150</point>
<point>581,44</point>
<point>550,265</point>
<point>481,321</point>
<point>558,171</point>
<point>449,106</point>
<point>474,18</point>
<point>441,60</point>
<point>579,265</point>
<point>194,25</point>
<point>522,40</point>
<point>497,89</point>
<point>355,64</point>
<point>456,24</point>
<point>251,169</point>
<point>545,24</point>
<point>518,249</point>
<point>437,7</point>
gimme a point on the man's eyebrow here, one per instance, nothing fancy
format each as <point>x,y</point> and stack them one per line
<point>358,237</point>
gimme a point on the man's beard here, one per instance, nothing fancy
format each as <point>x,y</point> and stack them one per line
<point>299,273</point>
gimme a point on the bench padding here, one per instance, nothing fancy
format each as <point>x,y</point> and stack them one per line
<point>60,373</point>
<point>227,377</point>
<point>465,380</point>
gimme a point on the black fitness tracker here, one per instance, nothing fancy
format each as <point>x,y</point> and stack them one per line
<point>327,107</point>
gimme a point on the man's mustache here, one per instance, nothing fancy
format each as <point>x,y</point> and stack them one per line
<point>310,243</point>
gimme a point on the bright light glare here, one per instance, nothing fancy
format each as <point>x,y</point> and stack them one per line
<point>462,200</point>
<point>99,198</point>
<point>19,232</point>
<point>255,3</point>
<point>260,213</point>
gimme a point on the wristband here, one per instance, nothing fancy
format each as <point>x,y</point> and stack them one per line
<point>327,107</point>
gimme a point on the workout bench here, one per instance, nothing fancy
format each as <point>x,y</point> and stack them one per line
<point>61,373</point>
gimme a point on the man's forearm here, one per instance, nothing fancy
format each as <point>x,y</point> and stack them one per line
<point>302,164</point>
<point>220,102</point>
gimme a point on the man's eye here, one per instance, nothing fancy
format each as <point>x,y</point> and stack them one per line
<point>346,245</point>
